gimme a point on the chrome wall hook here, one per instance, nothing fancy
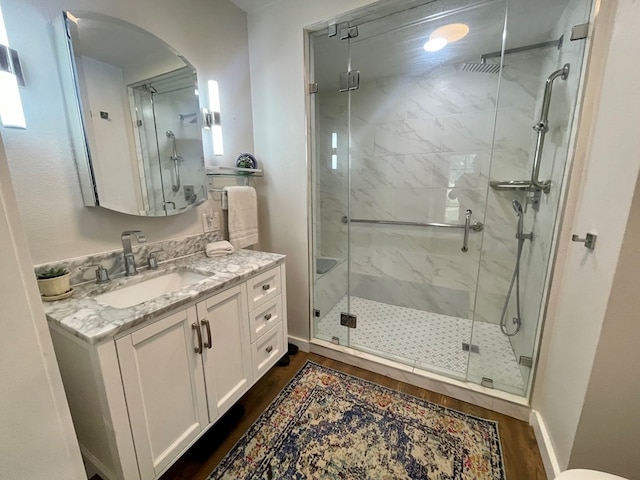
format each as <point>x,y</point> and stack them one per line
<point>589,241</point>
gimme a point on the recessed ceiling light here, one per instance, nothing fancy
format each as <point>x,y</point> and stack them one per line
<point>451,32</point>
<point>435,44</point>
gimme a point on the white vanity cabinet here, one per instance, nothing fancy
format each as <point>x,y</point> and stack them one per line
<point>182,372</point>
<point>143,398</point>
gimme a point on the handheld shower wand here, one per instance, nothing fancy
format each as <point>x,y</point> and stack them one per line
<point>521,237</point>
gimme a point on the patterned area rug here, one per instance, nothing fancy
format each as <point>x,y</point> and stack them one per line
<point>329,425</point>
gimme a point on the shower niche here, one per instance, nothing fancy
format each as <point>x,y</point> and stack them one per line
<point>445,272</point>
<point>136,118</point>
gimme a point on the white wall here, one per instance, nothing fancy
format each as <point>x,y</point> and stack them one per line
<point>111,160</point>
<point>608,434</point>
<point>211,34</point>
<point>599,200</point>
<point>37,440</point>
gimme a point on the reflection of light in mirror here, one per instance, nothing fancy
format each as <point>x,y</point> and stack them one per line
<point>11,113</point>
<point>435,44</point>
<point>216,128</point>
<point>197,93</point>
<point>334,151</point>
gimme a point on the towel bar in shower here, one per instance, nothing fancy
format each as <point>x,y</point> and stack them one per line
<point>476,227</point>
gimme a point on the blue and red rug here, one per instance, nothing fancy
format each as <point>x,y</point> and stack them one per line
<point>329,425</point>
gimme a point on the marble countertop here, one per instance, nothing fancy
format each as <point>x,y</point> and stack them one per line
<point>93,322</point>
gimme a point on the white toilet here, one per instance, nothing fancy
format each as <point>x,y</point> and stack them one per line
<point>580,474</point>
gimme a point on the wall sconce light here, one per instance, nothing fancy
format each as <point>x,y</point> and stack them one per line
<point>212,117</point>
<point>11,113</point>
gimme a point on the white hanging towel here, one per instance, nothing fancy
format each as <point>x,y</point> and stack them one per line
<point>243,216</point>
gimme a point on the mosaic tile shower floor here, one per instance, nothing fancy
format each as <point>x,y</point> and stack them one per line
<point>429,341</point>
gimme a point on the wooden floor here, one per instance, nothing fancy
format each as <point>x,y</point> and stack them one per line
<point>521,456</point>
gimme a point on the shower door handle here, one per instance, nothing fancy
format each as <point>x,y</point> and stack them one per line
<point>467,227</point>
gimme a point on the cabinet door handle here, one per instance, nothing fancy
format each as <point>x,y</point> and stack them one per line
<point>269,349</point>
<point>208,344</point>
<point>198,349</point>
<point>267,317</point>
<point>266,287</point>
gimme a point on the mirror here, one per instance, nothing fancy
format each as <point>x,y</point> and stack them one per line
<point>140,117</point>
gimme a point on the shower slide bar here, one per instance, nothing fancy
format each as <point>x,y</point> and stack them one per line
<point>542,127</point>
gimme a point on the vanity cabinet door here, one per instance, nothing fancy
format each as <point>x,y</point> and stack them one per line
<point>164,388</point>
<point>227,357</point>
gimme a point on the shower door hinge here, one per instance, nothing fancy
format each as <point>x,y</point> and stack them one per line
<point>348,320</point>
<point>525,361</point>
<point>487,382</point>
<point>578,32</point>
<point>469,347</point>
<point>316,312</point>
<point>349,80</point>
<point>139,123</point>
<point>332,30</point>
<point>351,32</point>
<point>313,88</point>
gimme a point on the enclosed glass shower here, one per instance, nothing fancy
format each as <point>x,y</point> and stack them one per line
<point>441,138</point>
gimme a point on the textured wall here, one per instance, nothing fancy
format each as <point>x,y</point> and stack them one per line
<point>212,35</point>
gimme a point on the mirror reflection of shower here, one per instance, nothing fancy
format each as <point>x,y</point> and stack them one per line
<point>515,278</point>
<point>176,159</point>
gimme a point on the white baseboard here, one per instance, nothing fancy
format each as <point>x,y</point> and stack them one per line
<point>548,454</point>
<point>301,343</point>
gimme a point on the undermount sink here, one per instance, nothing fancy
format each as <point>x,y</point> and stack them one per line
<point>130,295</point>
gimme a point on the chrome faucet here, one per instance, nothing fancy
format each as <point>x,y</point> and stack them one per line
<point>129,260</point>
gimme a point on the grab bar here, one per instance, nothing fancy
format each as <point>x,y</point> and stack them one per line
<point>542,127</point>
<point>476,227</point>
<point>467,225</point>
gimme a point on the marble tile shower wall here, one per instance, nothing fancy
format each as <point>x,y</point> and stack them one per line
<point>421,151</point>
<point>536,259</point>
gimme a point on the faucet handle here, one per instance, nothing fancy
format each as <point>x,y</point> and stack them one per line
<point>152,259</point>
<point>102,275</point>
<point>141,237</point>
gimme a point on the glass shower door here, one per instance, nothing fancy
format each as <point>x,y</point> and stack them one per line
<point>421,132</point>
<point>504,335</point>
<point>330,176</point>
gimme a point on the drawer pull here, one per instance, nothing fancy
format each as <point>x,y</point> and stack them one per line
<point>198,349</point>
<point>267,317</point>
<point>269,349</point>
<point>266,287</point>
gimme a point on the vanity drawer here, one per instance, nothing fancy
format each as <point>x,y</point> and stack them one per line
<point>267,351</point>
<point>263,287</point>
<point>265,317</point>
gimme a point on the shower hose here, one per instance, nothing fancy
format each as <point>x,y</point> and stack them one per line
<point>515,279</point>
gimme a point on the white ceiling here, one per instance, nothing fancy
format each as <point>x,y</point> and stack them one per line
<point>251,6</point>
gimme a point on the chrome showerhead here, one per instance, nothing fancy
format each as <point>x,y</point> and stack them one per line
<point>481,67</point>
<point>517,207</point>
<point>170,134</point>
